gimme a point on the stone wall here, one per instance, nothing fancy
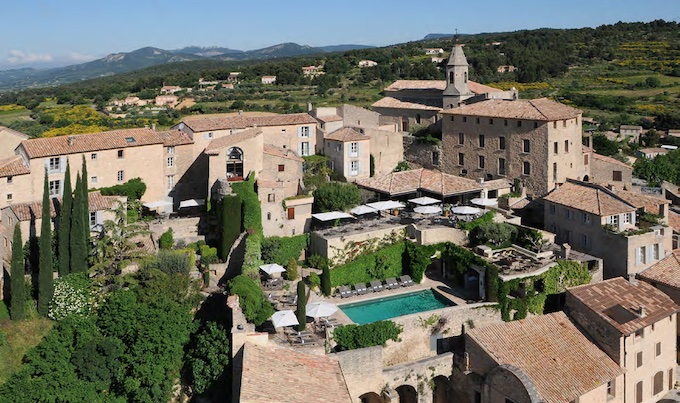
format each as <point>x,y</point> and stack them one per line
<point>387,149</point>
<point>332,246</point>
<point>602,171</point>
<point>425,235</point>
<point>425,155</point>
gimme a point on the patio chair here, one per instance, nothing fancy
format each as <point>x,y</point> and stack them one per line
<point>376,286</point>
<point>345,291</point>
<point>406,280</point>
<point>391,283</point>
<point>360,288</point>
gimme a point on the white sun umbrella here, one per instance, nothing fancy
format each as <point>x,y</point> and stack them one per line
<point>465,210</point>
<point>480,201</point>
<point>363,209</point>
<point>330,216</point>
<point>424,201</point>
<point>284,318</point>
<point>320,309</point>
<point>272,268</point>
<point>428,210</point>
<point>386,205</point>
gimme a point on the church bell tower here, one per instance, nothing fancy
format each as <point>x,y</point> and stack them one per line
<point>456,79</point>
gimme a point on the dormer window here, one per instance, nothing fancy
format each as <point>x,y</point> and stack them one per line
<point>130,139</point>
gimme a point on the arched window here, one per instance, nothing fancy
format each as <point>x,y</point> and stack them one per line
<point>234,169</point>
<point>465,77</point>
<point>658,382</point>
<point>418,118</point>
<point>451,77</point>
<point>235,154</point>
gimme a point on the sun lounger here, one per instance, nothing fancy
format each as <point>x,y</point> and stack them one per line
<point>391,283</point>
<point>345,291</point>
<point>406,281</point>
<point>360,288</point>
<point>376,286</point>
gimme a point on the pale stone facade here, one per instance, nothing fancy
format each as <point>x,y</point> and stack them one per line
<point>10,139</point>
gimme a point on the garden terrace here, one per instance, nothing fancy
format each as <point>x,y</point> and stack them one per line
<point>517,262</point>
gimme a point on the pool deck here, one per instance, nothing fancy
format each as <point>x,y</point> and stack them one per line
<point>427,283</point>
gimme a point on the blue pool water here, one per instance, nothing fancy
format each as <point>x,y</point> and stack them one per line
<point>397,305</point>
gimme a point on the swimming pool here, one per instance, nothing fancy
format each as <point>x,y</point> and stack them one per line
<point>393,306</point>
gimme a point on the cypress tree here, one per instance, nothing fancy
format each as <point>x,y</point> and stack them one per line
<point>86,207</point>
<point>326,281</point>
<point>65,226</point>
<point>45,279</point>
<point>17,308</point>
<point>301,306</point>
<point>78,246</point>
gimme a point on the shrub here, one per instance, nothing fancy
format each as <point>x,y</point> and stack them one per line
<point>381,264</point>
<point>402,166</point>
<point>350,337</point>
<point>207,356</point>
<point>469,226</point>
<point>171,262</point>
<point>336,196</point>
<point>252,257</point>
<point>133,189</point>
<point>317,261</point>
<point>314,281</point>
<point>252,211</point>
<point>71,297</point>
<point>416,261</point>
<point>166,240</point>
<point>251,299</point>
<point>292,269</point>
<point>494,233</point>
<point>208,255</point>
<point>281,249</point>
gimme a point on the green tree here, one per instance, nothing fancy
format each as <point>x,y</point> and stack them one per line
<point>166,240</point>
<point>402,166</point>
<point>86,205</point>
<point>78,227</point>
<point>326,281</point>
<point>292,269</point>
<point>416,261</point>
<point>229,216</point>
<point>336,196</point>
<point>301,311</point>
<point>17,309</point>
<point>45,279</point>
<point>653,82</point>
<point>255,307</point>
<point>64,246</point>
<point>208,356</point>
<point>604,146</point>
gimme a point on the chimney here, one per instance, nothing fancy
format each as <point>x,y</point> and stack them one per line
<point>642,311</point>
<point>71,139</point>
<point>566,250</point>
<point>611,188</point>
<point>589,140</point>
<point>240,112</point>
<point>480,180</point>
<point>309,107</point>
<point>146,126</point>
<point>153,126</point>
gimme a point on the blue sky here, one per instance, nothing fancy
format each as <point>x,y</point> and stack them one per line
<point>53,33</point>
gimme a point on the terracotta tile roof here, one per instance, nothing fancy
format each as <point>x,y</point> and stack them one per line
<point>666,271</point>
<point>424,85</point>
<point>227,141</point>
<point>541,109</point>
<point>280,152</point>
<point>558,359</point>
<point>610,160</point>
<point>207,123</point>
<point>175,138</point>
<point>653,150</point>
<point>82,143</point>
<point>396,183</point>
<point>618,301</point>
<point>13,166</point>
<point>674,220</point>
<point>590,198</point>
<point>347,134</point>
<point>394,103</point>
<point>330,118</point>
<point>274,374</point>
<point>96,202</point>
<point>478,88</point>
<point>586,149</point>
<point>496,184</point>
<point>638,200</point>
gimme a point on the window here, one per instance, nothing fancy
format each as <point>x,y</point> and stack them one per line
<point>671,380</point>
<point>171,162</point>
<point>566,146</point>
<point>10,179</point>
<point>282,167</point>
<point>464,119</point>
<point>656,251</point>
<point>481,162</point>
<point>555,125</point>
<point>121,176</point>
<point>585,159</point>
<point>658,383</point>
<point>10,220</point>
<point>611,389</point>
<point>120,154</point>
<point>638,360</point>
<point>569,214</point>
<point>461,138</point>
<point>461,159</point>
<point>501,166</point>
<point>354,168</point>
<point>271,197</point>
<point>304,148</point>
<point>477,120</point>
<point>556,147</point>
<point>418,118</point>
<point>9,196</point>
<point>535,125</point>
<point>564,123</point>
<point>171,150</point>
<point>55,164</point>
<point>435,157</point>
<point>526,146</point>
<point>304,131</point>
<point>481,141</point>
<point>93,156</point>
<point>490,121</point>
<point>451,77</point>
<point>626,218</point>
<point>171,181</point>
<point>519,123</point>
<point>617,176</point>
<point>55,188</point>
<point>291,213</point>
<point>613,220</point>
<point>505,122</point>
<point>638,392</point>
<point>585,241</point>
<point>552,209</point>
<point>657,349</point>
<point>586,218</point>
<point>501,143</point>
<point>353,149</point>
<point>208,136</point>
<point>93,218</point>
<point>269,216</point>
<point>641,257</point>
<point>93,180</point>
<point>526,169</point>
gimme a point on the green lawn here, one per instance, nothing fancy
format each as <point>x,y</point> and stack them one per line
<point>6,118</point>
<point>21,337</point>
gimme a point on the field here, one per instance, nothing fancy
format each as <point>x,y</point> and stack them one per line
<point>9,117</point>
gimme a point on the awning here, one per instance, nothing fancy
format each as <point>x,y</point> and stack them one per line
<point>333,215</point>
<point>465,210</point>
<point>424,201</point>
<point>428,210</point>
<point>320,309</point>
<point>157,204</point>
<point>386,205</point>
<point>363,209</point>
<point>284,318</point>
<point>480,201</point>
<point>192,203</point>
<point>272,268</point>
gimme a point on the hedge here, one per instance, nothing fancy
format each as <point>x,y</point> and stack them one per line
<point>252,223</point>
<point>281,249</point>
<point>378,265</point>
<point>134,189</point>
<point>255,307</point>
<point>229,217</point>
<point>350,337</point>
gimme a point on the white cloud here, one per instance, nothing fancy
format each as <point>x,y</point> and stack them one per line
<point>79,57</point>
<point>19,57</point>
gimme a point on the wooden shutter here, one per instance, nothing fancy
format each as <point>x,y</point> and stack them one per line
<point>291,213</point>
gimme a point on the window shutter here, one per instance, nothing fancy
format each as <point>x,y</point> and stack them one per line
<point>299,149</point>
<point>637,256</point>
<point>100,217</point>
<point>661,253</point>
<point>47,164</point>
<point>299,130</point>
<point>62,164</point>
<point>650,253</point>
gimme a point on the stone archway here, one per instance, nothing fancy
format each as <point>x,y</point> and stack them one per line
<point>371,397</point>
<point>407,394</point>
<point>442,392</point>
